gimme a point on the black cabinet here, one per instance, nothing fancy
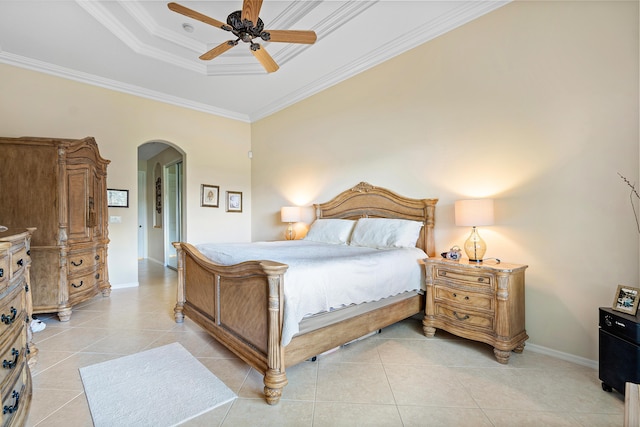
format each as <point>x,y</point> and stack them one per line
<point>619,343</point>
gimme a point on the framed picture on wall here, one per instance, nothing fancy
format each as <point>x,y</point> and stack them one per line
<point>626,299</point>
<point>117,198</point>
<point>234,201</point>
<point>209,195</point>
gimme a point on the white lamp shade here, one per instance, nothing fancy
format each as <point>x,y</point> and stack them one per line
<point>290,214</point>
<point>473,213</point>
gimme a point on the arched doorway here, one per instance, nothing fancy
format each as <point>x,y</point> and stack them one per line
<point>161,167</point>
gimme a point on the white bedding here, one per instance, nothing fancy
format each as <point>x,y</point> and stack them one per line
<point>322,277</point>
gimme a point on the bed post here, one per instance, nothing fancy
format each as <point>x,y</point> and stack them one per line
<point>430,244</point>
<point>275,378</point>
<point>178,310</point>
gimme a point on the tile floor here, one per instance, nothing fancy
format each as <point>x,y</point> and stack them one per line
<point>395,378</point>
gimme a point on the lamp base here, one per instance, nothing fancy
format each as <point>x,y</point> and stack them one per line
<point>475,247</point>
<point>290,234</point>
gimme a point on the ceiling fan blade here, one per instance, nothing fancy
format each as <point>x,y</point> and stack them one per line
<point>218,50</point>
<point>265,59</point>
<point>251,10</point>
<point>197,15</point>
<point>292,36</point>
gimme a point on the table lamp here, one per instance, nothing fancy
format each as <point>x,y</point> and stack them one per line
<point>290,214</point>
<point>474,213</point>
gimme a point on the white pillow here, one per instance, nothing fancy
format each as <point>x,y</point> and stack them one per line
<point>385,233</point>
<point>330,231</point>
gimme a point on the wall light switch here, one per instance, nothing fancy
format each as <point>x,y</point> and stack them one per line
<point>115,219</point>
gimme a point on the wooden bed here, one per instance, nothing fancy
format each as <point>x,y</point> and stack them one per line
<point>241,305</point>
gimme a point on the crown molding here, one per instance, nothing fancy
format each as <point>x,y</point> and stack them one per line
<point>401,44</point>
<point>54,70</point>
<point>391,49</point>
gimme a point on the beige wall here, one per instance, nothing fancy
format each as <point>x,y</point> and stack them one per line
<point>535,105</point>
<point>215,148</point>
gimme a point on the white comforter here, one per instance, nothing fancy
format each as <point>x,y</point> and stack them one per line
<point>322,277</point>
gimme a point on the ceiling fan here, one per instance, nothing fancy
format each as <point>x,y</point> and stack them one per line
<point>246,26</point>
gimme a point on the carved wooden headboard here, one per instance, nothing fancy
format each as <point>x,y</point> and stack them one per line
<point>366,201</point>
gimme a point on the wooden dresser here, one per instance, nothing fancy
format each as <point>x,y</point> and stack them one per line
<point>478,301</point>
<point>59,187</point>
<point>15,378</point>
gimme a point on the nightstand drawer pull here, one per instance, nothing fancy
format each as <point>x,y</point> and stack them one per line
<point>1,272</point>
<point>466,298</point>
<point>20,262</point>
<point>6,364</point>
<point>465,317</point>
<point>480,279</point>
<point>77,264</point>
<point>77,286</point>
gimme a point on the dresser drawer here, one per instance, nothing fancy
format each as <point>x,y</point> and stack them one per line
<point>12,356</point>
<point>4,270</point>
<point>12,309</point>
<point>467,277</point>
<point>464,298</point>
<point>16,397</point>
<point>78,262</point>
<point>464,317</point>
<point>83,283</point>
<point>19,260</point>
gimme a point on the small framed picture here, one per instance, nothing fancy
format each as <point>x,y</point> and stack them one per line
<point>626,299</point>
<point>117,198</point>
<point>209,195</point>
<point>234,201</point>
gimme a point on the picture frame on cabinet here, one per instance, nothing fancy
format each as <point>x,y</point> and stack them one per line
<point>626,299</point>
<point>234,201</point>
<point>117,198</point>
<point>209,196</point>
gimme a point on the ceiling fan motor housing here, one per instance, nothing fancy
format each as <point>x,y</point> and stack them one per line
<point>244,29</point>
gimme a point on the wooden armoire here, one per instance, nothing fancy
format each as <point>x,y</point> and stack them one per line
<point>59,187</point>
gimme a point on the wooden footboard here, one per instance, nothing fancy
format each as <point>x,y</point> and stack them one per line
<point>241,306</point>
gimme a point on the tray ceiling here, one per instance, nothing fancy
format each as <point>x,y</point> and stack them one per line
<point>143,48</point>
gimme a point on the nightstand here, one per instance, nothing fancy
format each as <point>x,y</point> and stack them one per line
<point>479,301</point>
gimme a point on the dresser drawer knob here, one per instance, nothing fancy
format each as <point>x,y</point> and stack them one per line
<point>465,317</point>
<point>97,257</point>
<point>6,364</point>
<point>97,276</point>
<point>20,262</point>
<point>77,264</point>
<point>1,272</point>
<point>480,279</point>
<point>7,320</point>
<point>444,273</point>
<point>77,286</point>
<point>12,409</point>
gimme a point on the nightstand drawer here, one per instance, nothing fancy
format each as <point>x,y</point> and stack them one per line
<point>464,317</point>
<point>468,277</point>
<point>465,298</point>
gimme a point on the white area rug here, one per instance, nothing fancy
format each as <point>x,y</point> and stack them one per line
<point>164,386</point>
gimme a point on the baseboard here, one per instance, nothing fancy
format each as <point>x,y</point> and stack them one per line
<point>155,261</point>
<point>564,356</point>
<point>125,285</point>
